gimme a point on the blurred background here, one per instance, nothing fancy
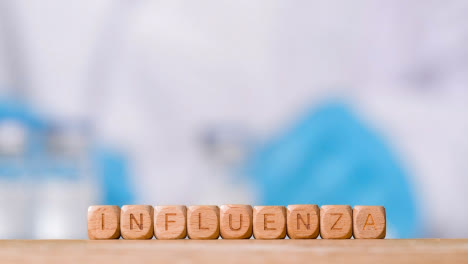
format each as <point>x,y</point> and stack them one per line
<point>214,102</point>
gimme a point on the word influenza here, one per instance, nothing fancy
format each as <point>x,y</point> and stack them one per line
<point>236,222</point>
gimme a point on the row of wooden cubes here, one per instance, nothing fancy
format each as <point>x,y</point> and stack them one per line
<point>236,222</point>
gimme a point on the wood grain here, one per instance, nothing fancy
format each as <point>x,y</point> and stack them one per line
<point>369,222</point>
<point>318,251</point>
<point>236,221</point>
<point>269,222</point>
<point>336,221</point>
<point>136,222</point>
<point>303,221</point>
<point>170,222</point>
<point>103,222</point>
<point>203,222</point>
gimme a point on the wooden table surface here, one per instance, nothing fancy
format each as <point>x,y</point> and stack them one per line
<point>235,251</point>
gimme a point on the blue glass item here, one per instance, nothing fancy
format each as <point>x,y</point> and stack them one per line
<point>114,176</point>
<point>20,134</point>
<point>13,109</point>
<point>330,157</point>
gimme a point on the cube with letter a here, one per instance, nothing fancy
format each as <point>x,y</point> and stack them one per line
<point>369,222</point>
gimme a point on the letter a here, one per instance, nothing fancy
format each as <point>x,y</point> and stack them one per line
<point>369,216</point>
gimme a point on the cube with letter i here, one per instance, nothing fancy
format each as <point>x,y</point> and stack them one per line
<point>103,222</point>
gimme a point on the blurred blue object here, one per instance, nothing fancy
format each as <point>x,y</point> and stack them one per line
<point>21,139</point>
<point>330,157</point>
<point>15,110</point>
<point>11,108</point>
<point>51,171</point>
<point>112,167</point>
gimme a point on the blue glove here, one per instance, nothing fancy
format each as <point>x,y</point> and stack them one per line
<point>330,157</point>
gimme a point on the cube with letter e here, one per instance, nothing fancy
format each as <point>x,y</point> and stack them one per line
<point>269,222</point>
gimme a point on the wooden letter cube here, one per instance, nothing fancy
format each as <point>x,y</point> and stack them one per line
<point>136,222</point>
<point>170,222</point>
<point>336,221</point>
<point>203,222</point>
<point>103,222</point>
<point>369,222</point>
<point>303,221</point>
<point>269,222</point>
<point>236,221</point>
